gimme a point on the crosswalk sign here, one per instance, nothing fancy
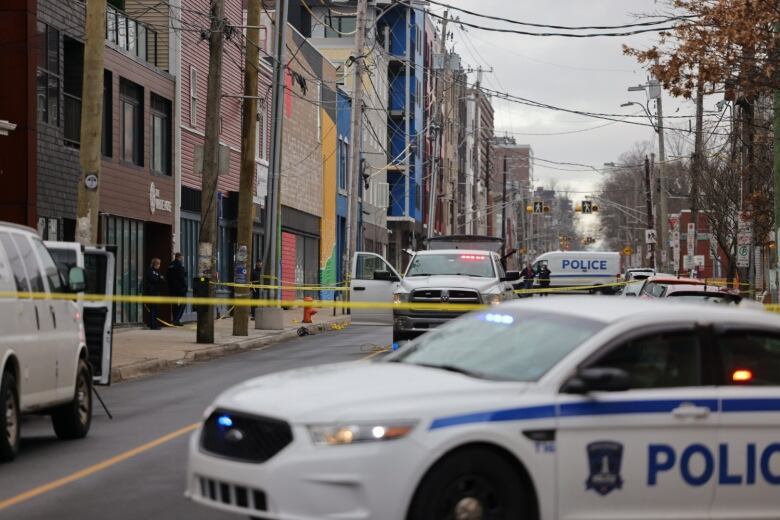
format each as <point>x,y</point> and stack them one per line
<point>538,207</point>
<point>587,207</point>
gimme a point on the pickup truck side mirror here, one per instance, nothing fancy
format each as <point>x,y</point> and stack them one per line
<point>598,379</point>
<point>77,279</point>
<point>511,276</point>
<point>385,276</point>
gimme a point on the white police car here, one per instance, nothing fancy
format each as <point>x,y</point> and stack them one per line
<point>575,408</point>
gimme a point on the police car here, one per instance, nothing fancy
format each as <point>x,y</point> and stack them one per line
<point>570,408</point>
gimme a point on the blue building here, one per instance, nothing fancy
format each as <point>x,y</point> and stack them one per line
<point>343,127</point>
<point>403,31</point>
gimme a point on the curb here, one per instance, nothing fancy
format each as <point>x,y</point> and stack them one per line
<point>155,366</point>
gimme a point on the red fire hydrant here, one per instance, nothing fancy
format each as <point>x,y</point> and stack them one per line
<point>308,312</point>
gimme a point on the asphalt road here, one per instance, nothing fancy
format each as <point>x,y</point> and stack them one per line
<point>137,479</point>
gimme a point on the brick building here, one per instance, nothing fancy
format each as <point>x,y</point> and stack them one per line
<point>516,161</point>
<point>43,49</point>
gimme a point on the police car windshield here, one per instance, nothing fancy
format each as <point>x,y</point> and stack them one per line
<point>464,264</point>
<point>500,344</point>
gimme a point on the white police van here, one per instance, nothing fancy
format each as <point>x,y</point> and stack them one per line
<point>581,268</point>
<point>566,408</point>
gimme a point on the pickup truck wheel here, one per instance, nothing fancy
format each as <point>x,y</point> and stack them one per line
<point>9,420</point>
<point>72,420</point>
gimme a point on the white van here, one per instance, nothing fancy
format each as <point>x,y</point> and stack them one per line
<point>582,268</point>
<point>98,263</point>
<point>44,366</point>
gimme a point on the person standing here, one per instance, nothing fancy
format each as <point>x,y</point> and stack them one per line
<point>154,285</point>
<point>544,278</point>
<point>257,277</point>
<point>177,285</point>
<point>528,278</point>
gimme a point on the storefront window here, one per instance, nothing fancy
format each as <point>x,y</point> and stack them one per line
<point>128,236</point>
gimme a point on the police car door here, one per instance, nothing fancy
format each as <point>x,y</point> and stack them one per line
<point>748,456</point>
<point>373,280</point>
<point>646,452</point>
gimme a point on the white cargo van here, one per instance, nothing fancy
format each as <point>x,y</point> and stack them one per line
<point>582,268</point>
<point>43,355</point>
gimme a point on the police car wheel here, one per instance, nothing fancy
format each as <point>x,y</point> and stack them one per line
<point>471,484</point>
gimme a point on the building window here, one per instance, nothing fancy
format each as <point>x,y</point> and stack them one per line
<point>193,97</point>
<point>48,88</point>
<point>72,90</point>
<point>343,163</point>
<point>340,26</point>
<point>161,135</point>
<point>131,108</point>
<point>107,135</point>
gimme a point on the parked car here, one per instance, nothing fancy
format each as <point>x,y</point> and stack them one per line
<point>638,273</point>
<point>43,351</point>
<point>655,286</point>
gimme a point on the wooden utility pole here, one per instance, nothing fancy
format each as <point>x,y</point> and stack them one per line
<point>246,205</point>
<point>356,139</point>
<point>698,166</point>
<point>649,202</point>
<point>207,244</point>
<point>91,124</point>
<point>438,128</point>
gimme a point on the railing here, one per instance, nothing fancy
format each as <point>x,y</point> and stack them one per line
<point>130,35</point>
<point>72,121</point>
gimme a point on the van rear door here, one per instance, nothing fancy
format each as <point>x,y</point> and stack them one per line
<point>98,315</point>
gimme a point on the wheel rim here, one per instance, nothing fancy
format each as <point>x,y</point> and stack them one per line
<point>11,421</point>
<point>471,497</point>
<point>83,399</point>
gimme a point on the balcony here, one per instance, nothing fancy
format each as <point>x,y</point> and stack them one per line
<point>131,36</point>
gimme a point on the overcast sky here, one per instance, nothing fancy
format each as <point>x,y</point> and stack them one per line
<point>583,74</point>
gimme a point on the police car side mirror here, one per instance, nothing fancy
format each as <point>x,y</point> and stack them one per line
<point>598,379</point>
<point>385,276</point>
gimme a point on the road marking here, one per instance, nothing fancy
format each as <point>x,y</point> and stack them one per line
<point>373,354</point>
<point>91,470</point>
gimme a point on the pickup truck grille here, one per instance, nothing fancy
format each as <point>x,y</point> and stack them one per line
<point>439,296</point>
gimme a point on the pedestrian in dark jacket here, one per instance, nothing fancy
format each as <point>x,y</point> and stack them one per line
<point>544,278</point>
<point>154,286</point>
<point>528,278</point>
<point>257,277</point>
<point>177,285</point>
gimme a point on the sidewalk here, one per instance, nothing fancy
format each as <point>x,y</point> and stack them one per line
<point>138,352</point>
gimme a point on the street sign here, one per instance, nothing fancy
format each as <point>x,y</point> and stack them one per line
<point>587,207</point>
<point>698,261</point>
<point>649,236</point>
<point>628,251</point>
<point>743,256</point>
<point>744,238</point>
<point>689,239</point>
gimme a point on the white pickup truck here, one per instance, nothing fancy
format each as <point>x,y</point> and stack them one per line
<point>464,276</point>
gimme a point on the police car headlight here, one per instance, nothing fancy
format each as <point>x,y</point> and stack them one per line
<point>493,299</point>
<point>340,434</point>
<point>400,298</point>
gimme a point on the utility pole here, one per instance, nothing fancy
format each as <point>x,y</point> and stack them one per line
<point>663,214</point>
<point>272,318</point>
<point>353,184</point>
<point>649,202</point>
<point>207,242</point>
<point>91,124</point>
<point>503,209</point>
<point>246,206</point>
<point>698,166</point>
<point>438,128</point>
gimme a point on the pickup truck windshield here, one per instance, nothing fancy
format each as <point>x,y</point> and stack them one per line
<point>465,264</point>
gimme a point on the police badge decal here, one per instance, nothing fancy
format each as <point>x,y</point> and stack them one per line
<point>604,459</point>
